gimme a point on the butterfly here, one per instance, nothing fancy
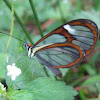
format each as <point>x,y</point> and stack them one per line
<point>66,46</point>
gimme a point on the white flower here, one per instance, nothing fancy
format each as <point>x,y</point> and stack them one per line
<point>13,71</point>
<point>2,86</point>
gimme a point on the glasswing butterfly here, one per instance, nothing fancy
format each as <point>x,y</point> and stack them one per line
<point>66,46</point>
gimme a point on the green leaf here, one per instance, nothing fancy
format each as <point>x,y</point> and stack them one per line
<point>94,99</point>
<point>44,89</point>
<point>13,47</point>
<point>1,90</point>
<point>2,65</point>
<point>5,16</point>
<point>2,93</point>
<point>2,97</point>
<point>12,50</point>
<point>89,69</point>
<point>91,81</point>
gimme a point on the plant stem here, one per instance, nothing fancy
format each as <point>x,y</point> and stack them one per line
<point>19,21</point>
<point>36,17</point>
<point>97,5</point>
<point>12,26</point>
<point>79,5</point>
<point>79,81</point>
<point>82,95</point>
<point>61,12</point>
<point>39,27</point>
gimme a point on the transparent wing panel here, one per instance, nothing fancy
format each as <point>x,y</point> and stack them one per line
<point>58,56</point>
<point>82,31</point>
<point>55,38</point>
<point>84,37</point>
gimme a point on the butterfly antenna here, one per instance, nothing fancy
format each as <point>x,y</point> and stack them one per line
<point>12,36</point>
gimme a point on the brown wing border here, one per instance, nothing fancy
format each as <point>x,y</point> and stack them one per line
<point>92,26</point>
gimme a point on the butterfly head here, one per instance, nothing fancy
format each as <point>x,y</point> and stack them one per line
<point>27,45</point>
<point>29,48</point>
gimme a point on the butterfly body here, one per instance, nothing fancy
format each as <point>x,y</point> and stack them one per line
<point>32,51</point>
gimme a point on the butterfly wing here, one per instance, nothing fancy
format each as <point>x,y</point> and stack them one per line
<point>80,32</point>
<point>71,43</point>
<point>60,56</point>
<point>85,35</point>
<point>49,65</point>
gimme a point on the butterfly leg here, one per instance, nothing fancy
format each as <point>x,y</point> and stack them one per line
<point>20,57</point>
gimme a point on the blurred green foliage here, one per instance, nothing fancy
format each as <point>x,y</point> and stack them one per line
<point>87,75</point>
